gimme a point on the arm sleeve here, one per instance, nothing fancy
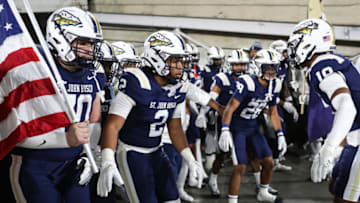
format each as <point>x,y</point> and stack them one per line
<point>344,106</point>
<point>241,90</point>
<point>197,95</point>
<point>178,112</point>
<point>121,105</point>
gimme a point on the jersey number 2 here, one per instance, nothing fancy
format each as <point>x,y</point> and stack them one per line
<point>157,128</point>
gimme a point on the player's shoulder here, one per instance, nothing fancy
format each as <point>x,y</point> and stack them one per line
<point>136,78</point>
<point>249,81</point>
<point>330,61</point>
<point>325,64</point>
<point>224,78</point>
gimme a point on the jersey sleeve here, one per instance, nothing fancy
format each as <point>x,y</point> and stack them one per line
<point>241,90</point>
<point>218,81</point>
<point>101,78</point>
<point>276,92</point>
<point>130,87</point>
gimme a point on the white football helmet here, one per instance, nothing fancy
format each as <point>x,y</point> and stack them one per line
<point>68,24</point>
<point>193,51</point>
<point>266,59</point>
<point>215,53</point>
<point>280,46</point>
<point>236,56</point>
<point>309,37</point>
<point>158,47</point>
<point>107,62</point>
<point>125,53</point>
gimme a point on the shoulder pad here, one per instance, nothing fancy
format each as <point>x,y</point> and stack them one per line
<point>141,77</point>
<point>224,79</point>
<point>328,56</point>
<point>277,85</point>
<point>249,82</point>
<point>185,87</point>
<point>207,69</point>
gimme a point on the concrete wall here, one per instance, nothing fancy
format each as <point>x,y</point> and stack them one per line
<point>343,12</point>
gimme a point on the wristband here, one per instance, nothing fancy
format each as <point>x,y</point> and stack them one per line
<point>279,133</point>
<point>225,127</point>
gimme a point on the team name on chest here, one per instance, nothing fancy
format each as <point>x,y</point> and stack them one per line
<point>82,88</point>
<point>162,105</point>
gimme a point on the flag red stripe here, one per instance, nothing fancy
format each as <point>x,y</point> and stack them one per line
<point>35,127</point>
<point>25,91</point>
<point>17,58</point>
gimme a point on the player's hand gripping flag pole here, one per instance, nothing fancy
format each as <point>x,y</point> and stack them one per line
<point>58,78</point>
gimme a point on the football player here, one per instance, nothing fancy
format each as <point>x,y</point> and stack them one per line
<point>207,119</point>
<point>148,99</point>
<point>47,165</point>
<point>337,81</point>
<point>240,128</point>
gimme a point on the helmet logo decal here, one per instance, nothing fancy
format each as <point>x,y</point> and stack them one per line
<point>159,40</point>
<point>64,18</point>
<point>306,28</point>
<point>119,51</point>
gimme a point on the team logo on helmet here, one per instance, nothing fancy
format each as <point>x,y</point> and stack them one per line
<point>64,18</point>
<point>159,40</point>
<point>306,28</point>
<point>119,51</point>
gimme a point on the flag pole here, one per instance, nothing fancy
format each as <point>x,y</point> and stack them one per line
<point>59,81</point>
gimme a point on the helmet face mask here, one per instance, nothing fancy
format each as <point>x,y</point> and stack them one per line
<point>125,56</point>
<point>268,63</point>
<point>216,57</point>
<point>310,37</point>
<point>161,49</point>
<point>67,29</point>
<point>193,53</point>
<point>280,47</point>
<point>237,58</point>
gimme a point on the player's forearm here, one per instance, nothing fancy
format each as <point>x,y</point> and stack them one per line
<point>275,119</point>
<point>343,120</point>
<point>110,134</point>
<point>216,106</point>
<point>177,134</point>
<point>227,115</point>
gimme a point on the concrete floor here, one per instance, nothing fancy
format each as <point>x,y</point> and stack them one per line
<point>294,186</point>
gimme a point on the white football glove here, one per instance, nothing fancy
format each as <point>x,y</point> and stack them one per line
<point>201,121</point>
<point>225,141</point>
<point>108,173</point>
<point>323,164</point>
<point>304,99</point>
<point>289,107</point>
<point>86,173</point>
<point>196,171</point>
<point>282,146</point>
<point>294,85</point>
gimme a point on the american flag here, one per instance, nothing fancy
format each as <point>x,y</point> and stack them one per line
<point>29,103</point>
<point>326,38</point>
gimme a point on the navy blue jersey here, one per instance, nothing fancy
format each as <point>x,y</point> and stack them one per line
<point>154,106</point>
<point>105,105</point>
<point>81,87</point>
<point>253,98</point>
<point>282,72</point>
<point>326,64</point>
<point>208,76</point>
<point>227,84</point>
